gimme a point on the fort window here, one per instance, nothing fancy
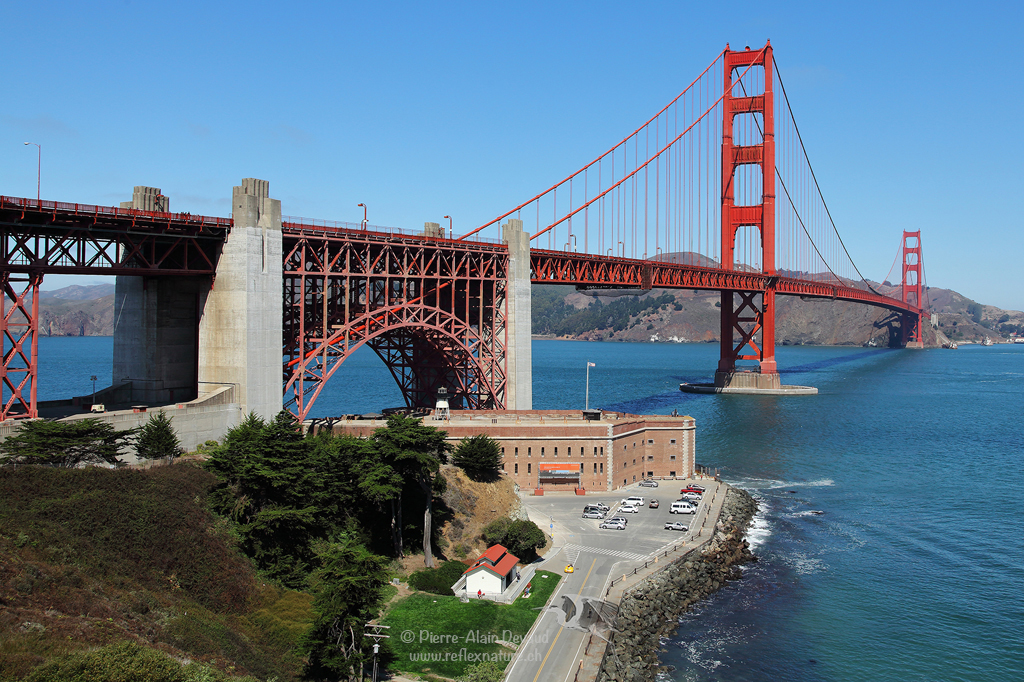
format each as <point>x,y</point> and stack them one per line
<point>602,467</point>
<point>517,452</point>
<point>634,461</point>
<point>650,458</point>
<point>595,467</point>
<point>650,441</point>
<point>529,452</point>
<point>672,458</point>
<point>602,451</point>
<point>673,441</point>
<point>556,451</point>
<point>542,452</point>
<point>672,474</point>
<point>517,467</point>
<point>529,467</point>
<point>595,452</point>
<point>581,467</point>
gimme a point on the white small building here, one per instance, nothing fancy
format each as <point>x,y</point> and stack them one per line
<point>494,571</point>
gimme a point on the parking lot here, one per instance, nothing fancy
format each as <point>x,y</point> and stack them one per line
<point>561,516</point>
<point>597,555</point>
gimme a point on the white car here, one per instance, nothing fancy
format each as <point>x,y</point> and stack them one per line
<point>648,483</point>
<point>675,525</point>
<point>634,500</point>
<point>619,519</point>
<point>691,496</point>
<point>629,509</point>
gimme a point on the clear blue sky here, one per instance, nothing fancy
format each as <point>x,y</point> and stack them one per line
<point>422,110</point>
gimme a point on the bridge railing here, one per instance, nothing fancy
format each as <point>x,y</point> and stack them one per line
<point>91,209</point>
<point>341,227</point>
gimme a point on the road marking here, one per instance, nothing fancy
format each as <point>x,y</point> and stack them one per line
<point>552,647</point>
<point>606,552</point>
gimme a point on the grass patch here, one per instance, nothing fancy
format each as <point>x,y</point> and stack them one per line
<point>442,628</point>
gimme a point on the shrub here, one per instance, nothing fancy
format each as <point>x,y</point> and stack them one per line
<point>485,671</point>
<point>157,438</point>
<point>438,580</point>
<point>66,444</point>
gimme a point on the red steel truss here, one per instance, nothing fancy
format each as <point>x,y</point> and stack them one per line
<point>19,328</point>
<point>80,239</point>
<point>51,237</point>
<point>433,309</point>
<point>584,270</point>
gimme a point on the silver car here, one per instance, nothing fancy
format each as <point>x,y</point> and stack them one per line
<point>675,525</point>
<point>612,525</point>
<point>593,514</point>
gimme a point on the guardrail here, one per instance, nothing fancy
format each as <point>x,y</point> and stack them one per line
<point>113,211</point>
<point>345,228</point>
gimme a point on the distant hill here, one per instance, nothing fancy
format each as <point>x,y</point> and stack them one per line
<point>673,315</point>
<point>660,315</point>
<point>77,292</point>
<point>77,310</point>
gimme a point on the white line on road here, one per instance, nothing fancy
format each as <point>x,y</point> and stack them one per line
<point>606,552</point>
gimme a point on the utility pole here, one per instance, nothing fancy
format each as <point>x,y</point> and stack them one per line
<point>377,635</point>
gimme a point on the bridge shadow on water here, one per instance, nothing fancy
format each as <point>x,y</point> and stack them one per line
<point>660,402</point>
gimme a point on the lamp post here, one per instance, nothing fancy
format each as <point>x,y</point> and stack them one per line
<point>451,234</point>
<point>587,403</point>
<point>93,378</point>
<point>39,168</point>
<point>623,249</point>
<point>364,214</point>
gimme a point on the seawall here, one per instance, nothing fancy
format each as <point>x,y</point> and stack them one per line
<point>650,610</point>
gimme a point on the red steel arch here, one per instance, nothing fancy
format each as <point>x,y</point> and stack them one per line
<point>432,308</point>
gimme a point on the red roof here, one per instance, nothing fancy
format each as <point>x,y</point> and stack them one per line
<point>493,554</point>
<point>496,559</point>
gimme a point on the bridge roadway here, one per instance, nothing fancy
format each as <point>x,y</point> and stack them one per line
<point>554,649</point>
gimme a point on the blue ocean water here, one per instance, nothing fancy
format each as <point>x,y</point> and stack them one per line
<point>914,570</point>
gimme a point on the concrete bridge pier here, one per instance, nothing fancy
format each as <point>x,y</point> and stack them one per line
<point>519,379</point>
<point>178,337</point>
<point>240,330</point>
<point>155,327</point>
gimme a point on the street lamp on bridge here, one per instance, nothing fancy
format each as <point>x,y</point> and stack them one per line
<point>39,168</point>
<point>451,235</point>
<point>364,214</point>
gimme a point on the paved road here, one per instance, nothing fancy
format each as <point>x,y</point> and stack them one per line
<point>554,649</point>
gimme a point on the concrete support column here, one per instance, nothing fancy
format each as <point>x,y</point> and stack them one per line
<point>155,326</point>
<point>240,332</point>
<point>519,386</point>
<point>155,337</point>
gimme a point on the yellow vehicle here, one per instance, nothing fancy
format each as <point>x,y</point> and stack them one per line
<point>569,568</point>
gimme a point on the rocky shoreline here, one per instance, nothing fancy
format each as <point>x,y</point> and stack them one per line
<point>651,610</point>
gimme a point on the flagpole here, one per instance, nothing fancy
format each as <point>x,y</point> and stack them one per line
<point>589,365</point>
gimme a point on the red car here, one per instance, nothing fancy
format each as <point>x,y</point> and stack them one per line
<point>692,489</point>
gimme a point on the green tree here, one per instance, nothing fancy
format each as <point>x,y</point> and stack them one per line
<point>157,438</point>
<point>521,537</point>
<point>273,493</point>
<point>349,591</point>
<point>480,457</point>
<point>975,311</point>
<point>66,444</point>
<point>416,452</point>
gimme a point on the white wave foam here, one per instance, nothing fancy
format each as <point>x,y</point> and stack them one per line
<point>760,528</point>
<point>775,484</point>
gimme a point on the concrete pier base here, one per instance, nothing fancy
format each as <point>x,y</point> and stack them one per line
<point>748,383</point>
